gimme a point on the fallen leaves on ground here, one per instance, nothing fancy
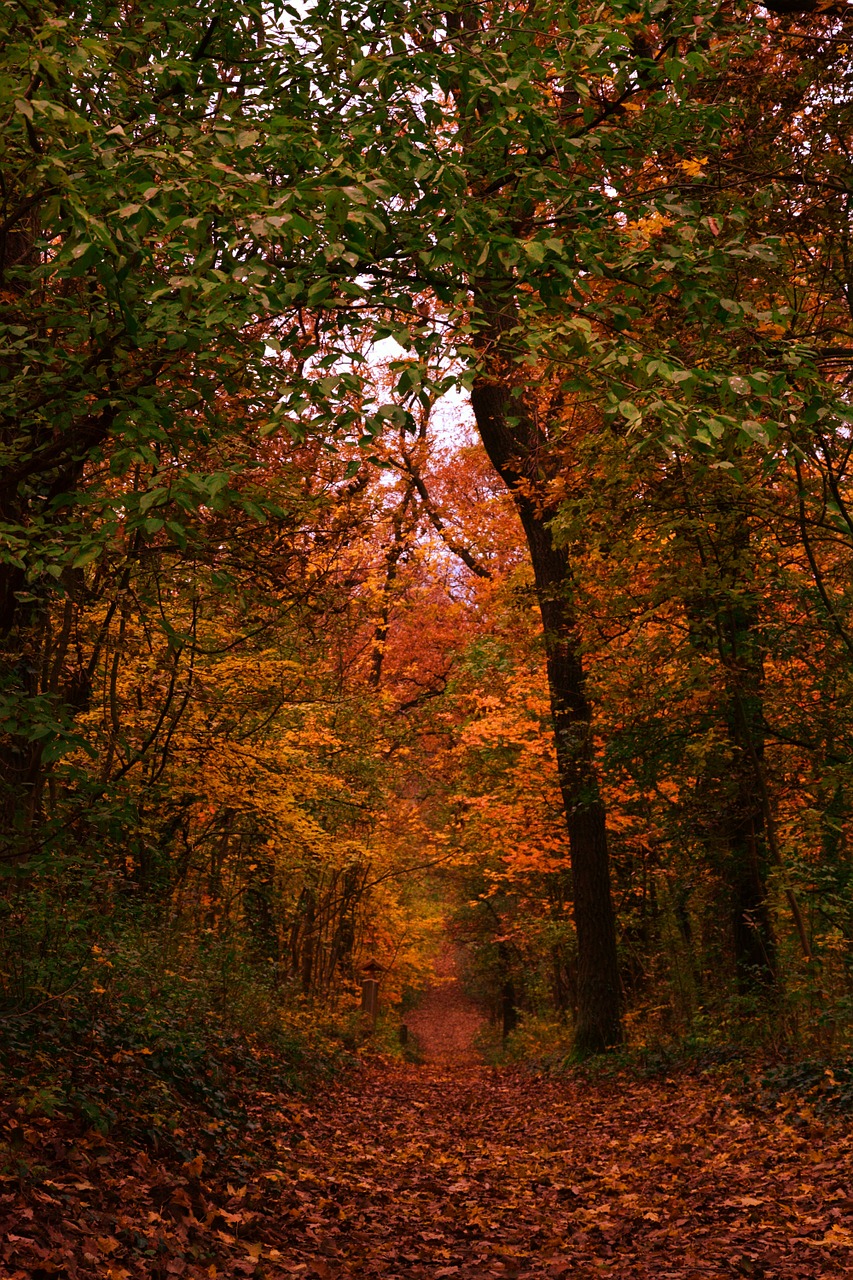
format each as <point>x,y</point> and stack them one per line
<point>405,1171</point>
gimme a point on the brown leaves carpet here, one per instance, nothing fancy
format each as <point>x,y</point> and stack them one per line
<point>452,1169</point>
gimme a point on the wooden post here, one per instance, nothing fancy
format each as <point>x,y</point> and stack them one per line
<point>370,993</point>
<point>370,1000</point>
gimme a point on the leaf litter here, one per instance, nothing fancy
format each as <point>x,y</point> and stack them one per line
<point>448,1169</point>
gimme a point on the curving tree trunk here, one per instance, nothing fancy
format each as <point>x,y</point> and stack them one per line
<point>516,447</point>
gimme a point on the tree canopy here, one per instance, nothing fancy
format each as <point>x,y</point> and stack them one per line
<point>425,446</point>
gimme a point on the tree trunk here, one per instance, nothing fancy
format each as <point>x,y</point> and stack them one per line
<point>746,836</point>
<point>724,620</point>
<point>515,452</point>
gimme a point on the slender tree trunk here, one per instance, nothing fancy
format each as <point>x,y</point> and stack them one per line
<point>515,452</point>
<point>309,940</point>
<point>746,835</point>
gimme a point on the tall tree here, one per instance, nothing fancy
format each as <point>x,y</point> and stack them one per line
<point>518,447</point>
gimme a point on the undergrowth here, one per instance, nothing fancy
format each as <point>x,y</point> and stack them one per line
<point>764,1075</point>
<point>161,1037</point>
<point>158,1078</point>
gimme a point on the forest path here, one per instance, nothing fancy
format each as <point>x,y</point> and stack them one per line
<point>414,1172</point>
<point>450,1170</point>
<point>446,1021</point>
<point>455,1171</point>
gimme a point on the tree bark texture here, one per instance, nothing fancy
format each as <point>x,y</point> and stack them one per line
<point>515,451</point>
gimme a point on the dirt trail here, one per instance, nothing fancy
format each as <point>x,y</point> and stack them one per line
<point>446,1171</point>
<point>446,1022</point>
<point>420,1172</point>
<point>455,1170</point>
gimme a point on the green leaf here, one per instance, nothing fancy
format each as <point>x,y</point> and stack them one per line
<point>86,556</point>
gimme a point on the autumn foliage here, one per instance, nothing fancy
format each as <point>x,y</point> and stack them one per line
<point>425,521</point>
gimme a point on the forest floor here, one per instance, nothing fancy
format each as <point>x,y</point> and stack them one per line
<point>446,1169</point>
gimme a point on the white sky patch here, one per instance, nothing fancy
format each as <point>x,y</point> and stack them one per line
<point>451,419</point>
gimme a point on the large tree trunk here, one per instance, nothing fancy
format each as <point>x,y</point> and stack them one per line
<point>515,452</point>
<point>725,622</point>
